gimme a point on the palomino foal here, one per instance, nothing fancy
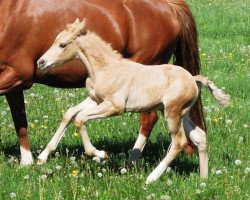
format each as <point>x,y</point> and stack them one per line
<point>168,88</point>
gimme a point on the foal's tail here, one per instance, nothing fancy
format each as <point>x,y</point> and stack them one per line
<point>219,95</point>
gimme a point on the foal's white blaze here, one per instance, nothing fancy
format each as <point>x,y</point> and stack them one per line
<point>26,157</point>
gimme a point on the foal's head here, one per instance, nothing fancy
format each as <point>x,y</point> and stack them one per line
<point>64,47</point>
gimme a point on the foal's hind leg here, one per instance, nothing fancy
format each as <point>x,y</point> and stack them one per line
<point>69,115</point>
<point>179,141</point>
<point>198,137</point>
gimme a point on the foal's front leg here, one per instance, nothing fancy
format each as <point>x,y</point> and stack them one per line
<point>67,118</point>
<point>103,110</point>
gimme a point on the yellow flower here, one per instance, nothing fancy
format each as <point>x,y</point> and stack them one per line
<point>32,126</point>
<point>216,120</point>
<point>62,111</point>
<point>75,172</point>
<point>43,127</point>
<point>76,134</point>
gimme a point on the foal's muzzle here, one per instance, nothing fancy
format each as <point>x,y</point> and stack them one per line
<point>42,64</point>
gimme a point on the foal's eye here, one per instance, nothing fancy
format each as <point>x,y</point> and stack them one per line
<point>62,45</point>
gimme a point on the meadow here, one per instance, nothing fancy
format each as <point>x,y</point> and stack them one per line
<point>224,41</point>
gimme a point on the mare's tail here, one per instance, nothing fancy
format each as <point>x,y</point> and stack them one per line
<point>187,52</point>
<point>219,95</point>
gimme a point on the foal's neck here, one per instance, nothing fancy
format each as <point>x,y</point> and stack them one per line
<point>96,54</point>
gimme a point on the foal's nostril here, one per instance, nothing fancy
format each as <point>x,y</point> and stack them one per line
<point>41,63</point>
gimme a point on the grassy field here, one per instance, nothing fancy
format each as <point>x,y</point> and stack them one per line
<point>223,27</point>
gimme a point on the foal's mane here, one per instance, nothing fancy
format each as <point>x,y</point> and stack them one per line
<point>93,43</point>
<point>101,48</point>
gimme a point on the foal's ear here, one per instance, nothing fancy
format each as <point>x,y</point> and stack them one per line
<point>82,27</point>
<point>77,21</point>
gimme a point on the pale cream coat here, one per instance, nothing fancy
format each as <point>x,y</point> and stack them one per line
<point>117,85</point>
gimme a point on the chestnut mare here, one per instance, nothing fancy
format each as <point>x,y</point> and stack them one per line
<point>147,31</point>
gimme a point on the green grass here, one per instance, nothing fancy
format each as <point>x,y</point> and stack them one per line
<point>223,27</point>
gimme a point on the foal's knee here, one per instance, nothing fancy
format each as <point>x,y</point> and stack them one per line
<point>68,115</point>
<point>79,120</point>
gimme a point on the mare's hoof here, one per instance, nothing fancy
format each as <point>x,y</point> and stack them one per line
<point>26,162</point>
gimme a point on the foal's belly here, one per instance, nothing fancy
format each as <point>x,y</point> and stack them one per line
<point>144,103</point>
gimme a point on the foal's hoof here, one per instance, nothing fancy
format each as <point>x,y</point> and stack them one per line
<point>40,161</point>
<point>150,180</point>
<point>101,154</point>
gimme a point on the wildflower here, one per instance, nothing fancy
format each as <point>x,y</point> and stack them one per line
<point>99,175</point>
<point>169,182</point>
<point>43,177</point>
<point>169,169</point>
<point>247,170</point>
<point>165,197</point>
<point>203,185</point>
<point>36,121</point>
<point>12,195</point>
<point>238,162</point>
<point>32,126</point>
<point>49,171</point>
<point>241,138</point>
<point>83,189</point>
<point>197,191</point>
<point>72,158</point>
<point>45,117</point>
<point>43,126</point>
<point>104,170</point>
<point>58,167</point>
<point>229,121</point>
<point>75,172</point>
<point>32,94</point>
<point>62,111</point>
<point>245,126</point>
<point>124,171</point>
<point>151,196</point>
<point>218,172</point>
<point>26,177</point>
<point>96,159</point>
<point>3,113</point>
<point>12,160</point>
<point>216,120</point>
<point>124,124</point>
<point>75,134</point>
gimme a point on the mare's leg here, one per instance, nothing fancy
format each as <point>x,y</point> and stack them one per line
<point>196,114</point>
<point>103,110</point>
<point>67,118</point>
<point>17,107</point>
<point>147,121</point>
<point>179,141</point>
<point>198,137</point>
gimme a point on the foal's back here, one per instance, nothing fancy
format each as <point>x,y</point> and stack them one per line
<point>152,86</point>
